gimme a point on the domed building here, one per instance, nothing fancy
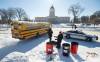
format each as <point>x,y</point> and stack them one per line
<point>52,18</point>
<point>52,12</point>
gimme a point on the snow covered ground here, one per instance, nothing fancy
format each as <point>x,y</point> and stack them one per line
<point>33,50</point>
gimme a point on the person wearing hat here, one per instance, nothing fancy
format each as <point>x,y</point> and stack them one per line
<point>59,39</point>
<point>50,32</point>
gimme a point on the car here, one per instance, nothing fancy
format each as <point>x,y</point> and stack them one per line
<point>80,35</point>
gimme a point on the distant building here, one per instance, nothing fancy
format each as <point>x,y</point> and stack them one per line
<point>52,18</point>
<point>96,20</point>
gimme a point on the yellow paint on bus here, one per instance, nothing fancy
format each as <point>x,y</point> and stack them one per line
<point>26,30</point>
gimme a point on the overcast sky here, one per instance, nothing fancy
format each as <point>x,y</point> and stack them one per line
<point>36,8</point>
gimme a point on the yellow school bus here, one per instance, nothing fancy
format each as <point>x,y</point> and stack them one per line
<point>26,30</point>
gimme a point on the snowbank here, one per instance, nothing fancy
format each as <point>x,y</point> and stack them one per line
<point>15,57</point>
<point>33,50</point>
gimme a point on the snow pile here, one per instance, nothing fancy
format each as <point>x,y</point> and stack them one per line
<point>4,27</point>
<point>93,55</point>
<point>15,57</point>
<point>6,38</point>
<point>33,50</point>
<point>37,54</point>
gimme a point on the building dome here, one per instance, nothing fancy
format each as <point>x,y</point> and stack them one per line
<point>52,7</point>
<point>52,11</point>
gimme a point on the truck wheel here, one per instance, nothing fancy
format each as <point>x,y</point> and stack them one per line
<point>89,39</point>
<point>68,36</point>
<point>37,34</point>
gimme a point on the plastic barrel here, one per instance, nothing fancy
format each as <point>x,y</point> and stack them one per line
<point>66,49</point>
<point>49,48</point>
<point>74,47</point>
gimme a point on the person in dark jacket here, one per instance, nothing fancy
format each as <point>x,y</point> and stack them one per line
<point>75,26</point>
<point>50,32</point>
<point>59,40</point>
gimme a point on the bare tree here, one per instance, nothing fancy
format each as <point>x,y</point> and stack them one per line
<point>97,13</point>
<point>4,15</point>
<point>11,14</point>
<point>20,13</point>
<point>76,10</point>
<point>7,15</point>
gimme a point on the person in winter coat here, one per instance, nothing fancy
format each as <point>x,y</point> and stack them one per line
<point>50,32</point>
<point>75,26</point>
<point>59,40</point>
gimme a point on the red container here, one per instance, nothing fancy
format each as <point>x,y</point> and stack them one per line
<point>74,47</point>
<point>49,48</point>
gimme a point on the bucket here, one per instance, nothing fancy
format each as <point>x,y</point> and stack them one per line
<point>74,47</point>
<point>49,48</point>
<point>66,49</point>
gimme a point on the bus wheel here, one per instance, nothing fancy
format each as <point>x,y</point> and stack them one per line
<point>37,34</point>
<point>22,39</point>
